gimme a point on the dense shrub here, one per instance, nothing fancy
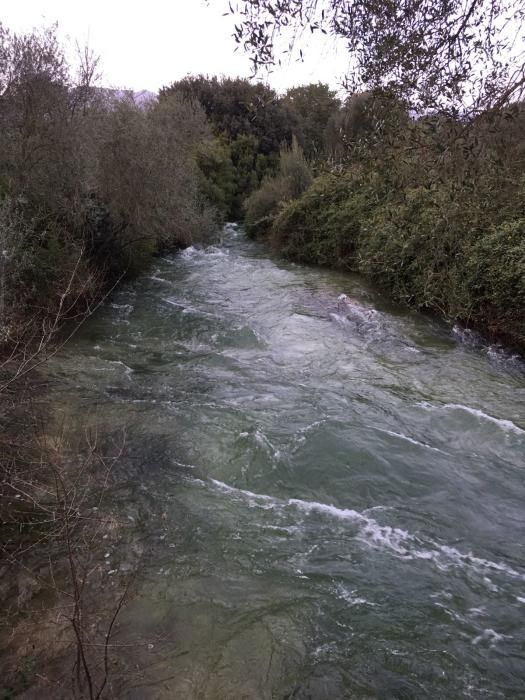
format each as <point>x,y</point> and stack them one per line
<point>495,272</point>
<point>15,263</point>
<point>217,175</point>
<point>414,244</point>
<point>261,207</point>
<point>147,181</point>
<point>44,275</point>
<point>250,120</point>
<point>443,247</point>
<point>294,171</point>
<point>294,178</point>
<point>91,184</point>
<point>314,229</point>
<point>324,225</point>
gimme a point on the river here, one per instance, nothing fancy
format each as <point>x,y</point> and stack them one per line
<point>328,504</point>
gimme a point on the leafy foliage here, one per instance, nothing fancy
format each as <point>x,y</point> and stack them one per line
<point>294,178</point>
<point>251,125</point>
<point>236,107</point>
<point>437,54</point>
<point>91,185</point>
<point>431,208</point>
<point>312,107</point>
<point>250,122</point>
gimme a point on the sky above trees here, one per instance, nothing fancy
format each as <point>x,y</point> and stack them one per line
<point>145,45</point>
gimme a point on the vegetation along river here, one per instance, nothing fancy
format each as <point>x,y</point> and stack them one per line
<point>328,501</point>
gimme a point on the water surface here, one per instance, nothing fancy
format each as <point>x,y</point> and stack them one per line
<point>328,504</point>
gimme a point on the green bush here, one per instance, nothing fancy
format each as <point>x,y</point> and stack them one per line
<point>295,174</point>
<point>261,207</point>
<point>414,245</point>
<point>294,178</point>
<point>92,184</point>
<point>495,273</point>
<point>324,225</point>
<point>444,248</point>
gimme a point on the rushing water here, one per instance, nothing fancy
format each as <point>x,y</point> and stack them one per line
<point>329,502</point>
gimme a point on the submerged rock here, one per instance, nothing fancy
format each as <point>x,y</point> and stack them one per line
<point>354,310</point>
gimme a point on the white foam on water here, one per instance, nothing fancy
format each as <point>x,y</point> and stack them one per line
<point>354,310</point>
<point>291,529</point>
<point>127,370</point>
<point>187,309</point>
<point>300,436</point>
<point>158,279</point>
<point>477,612</point>
<point>502,357</point>
<point>383,537</point>
<point>174,303</point>
<point>311,426</point>
<point>265,444</point>
<point>215,252</point>
<point>504,424</point>
<point>402,436</point>
<point>467,336</point>
<point>183,464</point>
<point>444,557</point>
<point>450,612</point>
<point>363,318</point>
<point>126,308</point>
<point>309,507</point>
<point>490,636</point>
<point>210,251</point>
<point>189,252</point>
<point>254,499</point>
<point>350,597</point>
<point>520,599</point>
<point>370,531</point>
<point>339,318</point>
<point>495,352</point>
<point>324,651</point>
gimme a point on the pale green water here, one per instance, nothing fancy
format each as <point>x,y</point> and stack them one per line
<point>327,508</point>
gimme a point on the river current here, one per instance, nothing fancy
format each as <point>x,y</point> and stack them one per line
<point>327,502</point>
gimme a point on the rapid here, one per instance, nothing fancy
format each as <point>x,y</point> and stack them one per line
<point>325,495</point>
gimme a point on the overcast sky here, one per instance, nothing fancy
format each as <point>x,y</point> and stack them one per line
<point>149,43</point>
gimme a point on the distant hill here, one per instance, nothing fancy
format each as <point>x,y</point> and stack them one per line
<point>144,96</point>
<point>140,97</point>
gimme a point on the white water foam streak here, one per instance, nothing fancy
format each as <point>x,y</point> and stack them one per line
<point>383,537</point>
<point>504,424</point>
<point>402,436</point>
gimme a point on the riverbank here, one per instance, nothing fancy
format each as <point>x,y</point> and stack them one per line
<point>59,607</point>
<point>60,598</point>
<point>443,253</point>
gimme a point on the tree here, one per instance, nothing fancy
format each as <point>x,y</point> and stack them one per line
<point>250,120</point>
<point>236,107</point>
<point>312,107</point>
<point>365,120</point>
<point>34,106</point>
<point>450,55</point>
